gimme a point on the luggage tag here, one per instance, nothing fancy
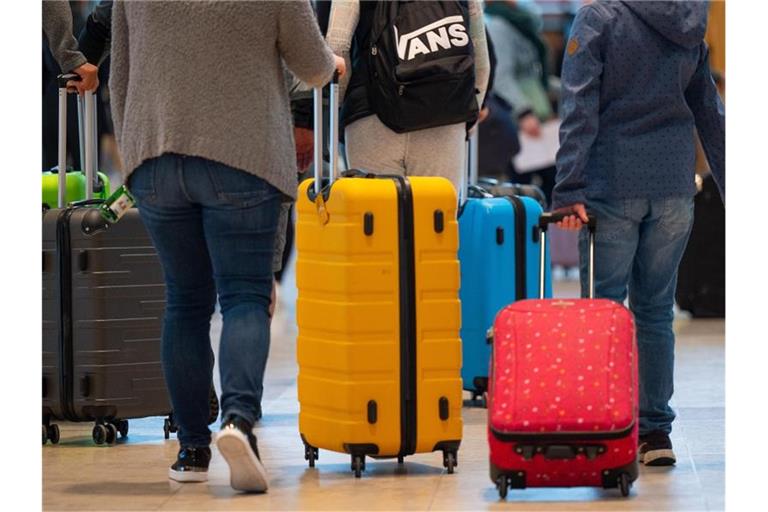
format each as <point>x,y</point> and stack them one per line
<point>322,211</point>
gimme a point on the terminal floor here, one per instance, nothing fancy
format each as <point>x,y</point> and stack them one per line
<point>132,475</point>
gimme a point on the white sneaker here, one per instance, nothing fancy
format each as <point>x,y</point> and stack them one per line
<point>238,446</point>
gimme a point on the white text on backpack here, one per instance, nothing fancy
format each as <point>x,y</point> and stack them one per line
<point>438,35</point>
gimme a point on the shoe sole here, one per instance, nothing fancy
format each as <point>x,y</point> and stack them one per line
<point>246,470</point>
<point>659,458</point>
<point>187,476</point>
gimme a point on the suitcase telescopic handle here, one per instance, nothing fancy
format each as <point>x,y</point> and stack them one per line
<point>87,127</point>
<point>550,218</point>
<point>333,109</point>
<point>470,177</point>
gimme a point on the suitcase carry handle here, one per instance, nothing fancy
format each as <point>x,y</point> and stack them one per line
<point>550,218</point>
<point>318,132</point>
<point>87,127</point>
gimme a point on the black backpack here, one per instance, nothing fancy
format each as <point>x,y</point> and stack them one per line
<point>421,65</point>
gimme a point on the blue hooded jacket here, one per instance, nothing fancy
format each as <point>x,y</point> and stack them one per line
<point>635,83</point>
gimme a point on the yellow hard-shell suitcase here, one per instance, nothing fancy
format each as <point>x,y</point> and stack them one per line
<point>378,314</point>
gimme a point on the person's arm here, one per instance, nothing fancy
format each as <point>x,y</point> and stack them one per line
<point>709,114</point>
<point>302,46</point>
<point>341,29</point>
<point>582,73</point>
<point>94,38</point>
<point>480,44</point>
<point>57,25</point>
<point>119,68</point>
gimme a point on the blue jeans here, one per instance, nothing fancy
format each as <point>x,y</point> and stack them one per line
<point>638,248</point>
<point>213,227</point>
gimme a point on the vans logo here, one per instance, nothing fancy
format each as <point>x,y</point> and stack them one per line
<point>443,34</point>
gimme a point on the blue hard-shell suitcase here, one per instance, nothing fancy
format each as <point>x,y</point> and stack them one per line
<point>499,252</point>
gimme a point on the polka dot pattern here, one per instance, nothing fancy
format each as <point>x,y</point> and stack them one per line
<point>562,366</point>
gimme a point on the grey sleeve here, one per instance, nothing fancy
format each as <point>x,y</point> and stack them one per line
<point>57,26</point>
<point>302,46</point>
<point>119,68</point>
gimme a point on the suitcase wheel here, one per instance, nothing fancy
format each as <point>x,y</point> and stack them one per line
<point>169,427</point>
<point>122,427</point>
<point>502,484</point>
<point>111,433</point>
<point>311,454</point>
<point>99,433</point>
<point>400,459</point>
<point>624,484</point>
<point>53,433</point>
<point>449,461</point>
<point>358,465</point>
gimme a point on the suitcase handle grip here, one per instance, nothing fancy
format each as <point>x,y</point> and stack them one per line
<point>318,132</point>
<point>67,77</point>
<point>544,221</point>
<point>554,217</point>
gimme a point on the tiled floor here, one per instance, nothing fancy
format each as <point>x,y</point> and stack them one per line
<point>77,475</point>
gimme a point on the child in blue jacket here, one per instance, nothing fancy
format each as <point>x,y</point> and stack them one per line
<point>635,83</point>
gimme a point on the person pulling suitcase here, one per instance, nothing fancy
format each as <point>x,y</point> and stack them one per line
<point>627,156</point>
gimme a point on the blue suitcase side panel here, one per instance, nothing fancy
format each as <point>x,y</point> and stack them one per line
<point>487,277</point>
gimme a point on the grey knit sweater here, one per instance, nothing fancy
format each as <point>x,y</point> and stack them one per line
<point>206,79</point>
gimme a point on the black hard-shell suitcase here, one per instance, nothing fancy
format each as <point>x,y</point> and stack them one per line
<point>103,304</point>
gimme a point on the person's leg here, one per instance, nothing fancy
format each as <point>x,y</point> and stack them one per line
<point>176,228</point>
<point>663,237</point>
<point>616,238</point>
<point>439,151</point>
<point>373,147</point>
<point>240,217</point>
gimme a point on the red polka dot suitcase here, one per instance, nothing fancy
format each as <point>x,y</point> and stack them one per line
<point>563,398</point>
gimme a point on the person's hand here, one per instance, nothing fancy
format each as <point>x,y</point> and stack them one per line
<point>483,115</point>
<point>89,78</point>
<point>341,65</point>
<point>530,125</point>
<point>305,145</point>
<point>574,221</point>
